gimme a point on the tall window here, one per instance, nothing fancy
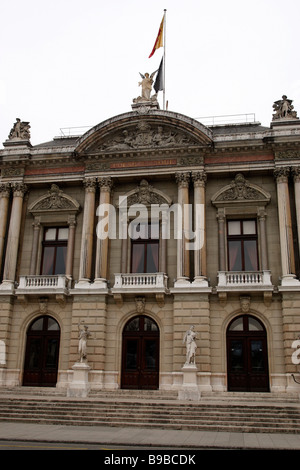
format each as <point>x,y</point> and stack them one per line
<point>54,250</point>
<point>242,245</point>
<point>144,248</point>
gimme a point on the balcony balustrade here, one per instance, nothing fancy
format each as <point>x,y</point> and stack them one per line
<point>140,282</point>
<point>236,280</point>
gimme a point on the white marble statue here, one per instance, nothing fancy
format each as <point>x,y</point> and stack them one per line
<point>189,340</point>
<point>83,336</point>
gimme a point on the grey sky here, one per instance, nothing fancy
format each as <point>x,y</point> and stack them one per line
<point>69,63</point>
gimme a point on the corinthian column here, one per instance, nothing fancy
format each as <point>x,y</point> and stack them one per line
<point>11,255</point>
<point>183,259</point>
<point>296,174</point>
<point>199,179</point>
<point>285,227</point>
<point>105,185</point>
<point>85,268</point>
<point>4,201</point>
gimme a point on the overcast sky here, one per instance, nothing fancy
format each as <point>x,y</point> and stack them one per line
<point>71,63</point>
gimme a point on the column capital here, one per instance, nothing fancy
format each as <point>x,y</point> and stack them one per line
<point>5,189</point>
<point>72,221</point>
<point>105,183</point>
<point>182,179</point>
<point>90,184</point>
<point>199,178</point>
<point>281,174</point>
<point>296,173</point>
<point>19,189</point>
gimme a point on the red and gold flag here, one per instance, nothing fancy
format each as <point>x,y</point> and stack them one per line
<point>159,39</point>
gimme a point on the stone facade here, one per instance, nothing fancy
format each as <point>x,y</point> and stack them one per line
<point>243,172</point>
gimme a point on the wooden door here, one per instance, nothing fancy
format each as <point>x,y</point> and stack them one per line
<point>247,357</point>
<point>42,352</point>
<point>140,354</point>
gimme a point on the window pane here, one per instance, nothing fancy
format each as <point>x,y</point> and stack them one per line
<point>63,233</point>
<point>48,260</point>
<point>34,353</point>
<point>235,255</point>
<point>134,325</point>
<point>60,265</point>
<point>257,358</point>
<point>52,324</point>
<point>52,352</point>
<point>37,325</point>
<point>249,227</point>
<point>254,325</point>
<point>50,233</point>
<point>237,325</point>
<point>236,356</point>
<point>152,258</point>
<point>234,227</point>
<point>150,354</point>
<point>250,255</point>
<point>138,257</point>
<point>149,325</point>
<point>131,354</point>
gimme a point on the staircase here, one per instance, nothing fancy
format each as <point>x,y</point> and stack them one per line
<point>153,409</point>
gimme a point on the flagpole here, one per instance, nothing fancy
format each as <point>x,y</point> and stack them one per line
<point>164,73</point>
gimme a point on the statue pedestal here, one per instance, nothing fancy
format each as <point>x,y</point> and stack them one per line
<point>189,389</point>
<point>79,387</point>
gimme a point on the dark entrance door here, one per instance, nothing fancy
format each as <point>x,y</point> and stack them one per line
<point>247,357</point>
<point>140,354</point>
<point>41,355</point>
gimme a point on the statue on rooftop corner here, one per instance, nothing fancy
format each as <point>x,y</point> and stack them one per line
<point>284,109</point>
<point>146,84</point>
<point>189,340</point>
<point>20,130</point>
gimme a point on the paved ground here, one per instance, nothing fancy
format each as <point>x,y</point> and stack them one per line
<point>148,438</point>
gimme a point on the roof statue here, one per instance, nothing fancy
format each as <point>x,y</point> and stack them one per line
<point>284,109</point>
<point>146,84</point>
<point>20,130</point>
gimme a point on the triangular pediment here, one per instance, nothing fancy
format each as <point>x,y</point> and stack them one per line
<point>240,190</point>
<point>55,200</point>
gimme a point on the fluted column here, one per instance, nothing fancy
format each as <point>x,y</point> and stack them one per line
<point>35,244</point>
<point>199,180</point>
<point>263,239</point>
<point>11,255</point>
<point>285,227</point>
<point>296,175</point>
<point>221,237</point>
<point>85,268</point>
<point>101,266</point>
<point>4,202</point>
<point>183,259</point>
<point>70,247</point>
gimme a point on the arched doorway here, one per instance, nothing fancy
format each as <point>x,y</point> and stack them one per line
<point>140,354</point>
<point>42,351</point>
<point>247,355</point>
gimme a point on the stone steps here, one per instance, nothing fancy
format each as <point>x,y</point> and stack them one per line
<point>152,413</point>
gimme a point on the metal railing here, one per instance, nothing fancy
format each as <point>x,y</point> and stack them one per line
<point>227,119</point>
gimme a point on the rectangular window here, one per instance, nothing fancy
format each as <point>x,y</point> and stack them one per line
<point>145,249</point>
<point>54,250</point>
<point>242,245</point>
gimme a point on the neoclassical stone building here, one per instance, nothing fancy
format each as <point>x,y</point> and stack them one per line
<point>138,295</point>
